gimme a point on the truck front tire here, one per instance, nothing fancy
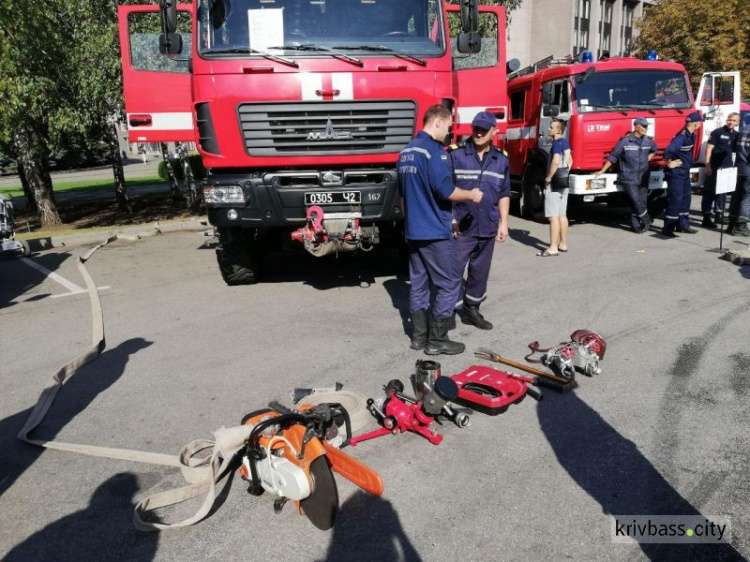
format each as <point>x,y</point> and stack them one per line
<point>240,260</point>
<point>532,204</point>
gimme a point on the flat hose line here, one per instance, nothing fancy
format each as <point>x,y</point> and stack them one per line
<point>204,462</point>
<point>353,402</point>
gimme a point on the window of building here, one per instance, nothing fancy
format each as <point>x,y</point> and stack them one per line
<point>582,19</point>
<point>517,105</point>
<point>605,28</point>
<point>626,30</point>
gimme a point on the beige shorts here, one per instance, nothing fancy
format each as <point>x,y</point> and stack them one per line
<point>555,202</point>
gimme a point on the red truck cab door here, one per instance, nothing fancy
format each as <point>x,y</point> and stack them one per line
<point>479,80</point>
<point>718,96</point>
<point>157,88</point>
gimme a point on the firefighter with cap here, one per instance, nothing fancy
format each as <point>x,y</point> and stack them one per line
<point>633,153</point>
<point>678,157</point>
<point>739,208</point>
<point>477,164</point>
<point>428,191</point>
<point>719,150</point>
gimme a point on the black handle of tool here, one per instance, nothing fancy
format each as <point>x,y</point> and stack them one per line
<point>534,391</point>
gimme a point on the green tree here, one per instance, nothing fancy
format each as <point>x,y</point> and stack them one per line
<point>93,73</point>
<point>703,35</point>
<point>30,87</point>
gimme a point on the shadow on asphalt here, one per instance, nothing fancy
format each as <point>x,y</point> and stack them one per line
<point>101,531</point>
<point>611,469</point>
<point>80,391</point>
<point>398,289</point>
<point>369,529</point>
<point>17,278</point>
<point>330,272</point>
<point>524,237</point>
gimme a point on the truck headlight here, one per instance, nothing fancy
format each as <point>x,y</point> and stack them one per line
<point>231,194</point>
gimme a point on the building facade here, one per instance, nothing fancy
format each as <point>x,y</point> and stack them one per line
<point>540,28</point>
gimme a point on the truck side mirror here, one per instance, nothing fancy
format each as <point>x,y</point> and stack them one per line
<point>469,15</point>
<point>469,43</point>
<point>170,43</point>
<point>548,93</point>
<point>169,16</point>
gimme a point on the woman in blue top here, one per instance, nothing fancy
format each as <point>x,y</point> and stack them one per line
<point>556,196</point>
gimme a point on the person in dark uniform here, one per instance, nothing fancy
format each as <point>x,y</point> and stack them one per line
<point>739,208</point>
<point>678,157</point>
<point>718,155</point>
<point>478,164</point>
<point>633,152</point>
<point>428,192</point>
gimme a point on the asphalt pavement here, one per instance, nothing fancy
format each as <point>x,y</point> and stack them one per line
<point>662,431</point>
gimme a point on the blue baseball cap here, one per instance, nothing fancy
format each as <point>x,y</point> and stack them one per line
<point>484,120</point>
<point>694,117</point>
<point>641,121</point>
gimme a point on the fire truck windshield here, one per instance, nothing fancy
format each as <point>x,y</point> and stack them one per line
<point>632,89</point>
<point>243,28</point>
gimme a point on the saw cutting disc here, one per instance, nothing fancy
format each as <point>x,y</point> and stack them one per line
<point>322,505</point>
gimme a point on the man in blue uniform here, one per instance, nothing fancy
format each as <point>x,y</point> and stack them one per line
<point>478,164</point>
<point>678,157</point>
<point>428,192</point>
<point>633,152</point>
<point>718,155</point>
<point>739,208</point>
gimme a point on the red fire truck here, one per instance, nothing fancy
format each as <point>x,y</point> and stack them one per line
<point>599,100</point>
<point>299,108</point>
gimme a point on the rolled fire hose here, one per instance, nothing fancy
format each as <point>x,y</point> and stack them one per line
<point>354,403</point>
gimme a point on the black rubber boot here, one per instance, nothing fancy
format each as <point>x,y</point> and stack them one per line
<point>438,342</point>
<point>473,317</point>
<point>452,324</point>
<point>419,329</point>
<point>708,223</point>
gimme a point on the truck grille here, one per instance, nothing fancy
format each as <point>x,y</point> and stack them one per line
<point>321,128</point>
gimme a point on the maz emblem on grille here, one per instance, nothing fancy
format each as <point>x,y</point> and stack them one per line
<point>329,134</point>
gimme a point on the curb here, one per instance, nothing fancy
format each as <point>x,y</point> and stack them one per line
<point>128,233</point>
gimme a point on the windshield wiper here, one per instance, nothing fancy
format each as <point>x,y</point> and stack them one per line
<point>607,107</point>
<point>636,108</point>
<point>247,50</point>
<point>380,48</point>
<point>319,48</point>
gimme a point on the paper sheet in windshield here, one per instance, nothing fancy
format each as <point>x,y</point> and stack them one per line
<point>266,28</point>
<point>726,180</point>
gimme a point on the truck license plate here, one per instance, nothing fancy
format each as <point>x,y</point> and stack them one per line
<point>333,198</point>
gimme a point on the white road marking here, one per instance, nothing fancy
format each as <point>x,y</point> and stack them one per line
<point>78,292</point>
<point>69,285</point>
<point>72,288</point>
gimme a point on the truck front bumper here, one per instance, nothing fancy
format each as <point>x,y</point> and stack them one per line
<point>591,187</point>
<point>281,198</point>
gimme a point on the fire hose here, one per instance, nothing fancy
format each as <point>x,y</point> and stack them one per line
<point>206,464</point>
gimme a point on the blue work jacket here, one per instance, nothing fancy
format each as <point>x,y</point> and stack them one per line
<point>723,141</point>
<point>491,175</point>
<point>742,147</point>
<point>680,148</point>
<point>425,183</point>
<point>632,153</point>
